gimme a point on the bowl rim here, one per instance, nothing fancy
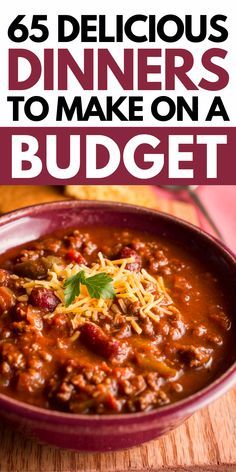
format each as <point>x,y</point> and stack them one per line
<point>184,407</point>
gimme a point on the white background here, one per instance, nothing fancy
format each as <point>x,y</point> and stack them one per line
<point>53,8</point>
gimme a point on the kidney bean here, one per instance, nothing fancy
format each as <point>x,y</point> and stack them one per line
<point>95,338</point>
<point>44,298</point>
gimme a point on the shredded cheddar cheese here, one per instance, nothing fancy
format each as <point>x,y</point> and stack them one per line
<point>149,292</point>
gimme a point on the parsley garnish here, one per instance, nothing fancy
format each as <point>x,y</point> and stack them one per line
<point>98,286</point>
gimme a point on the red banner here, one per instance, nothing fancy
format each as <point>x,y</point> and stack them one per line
<point>117,155</point>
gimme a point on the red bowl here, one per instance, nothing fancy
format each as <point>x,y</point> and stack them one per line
<point>112,432</point>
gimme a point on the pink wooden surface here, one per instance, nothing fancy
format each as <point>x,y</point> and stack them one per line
<point>220,201</point>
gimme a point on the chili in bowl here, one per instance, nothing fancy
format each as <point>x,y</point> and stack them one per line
<point>116,322</point>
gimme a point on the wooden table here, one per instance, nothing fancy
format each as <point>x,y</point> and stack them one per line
<point>206,442</point>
